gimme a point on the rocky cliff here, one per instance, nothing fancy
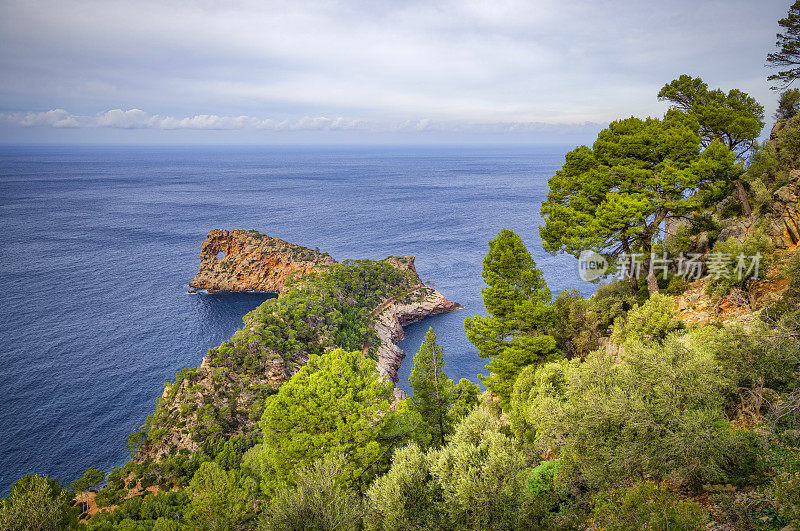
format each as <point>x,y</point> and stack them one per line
<point>395,313</point>
<point>242,260</point>
<point>785,213</point>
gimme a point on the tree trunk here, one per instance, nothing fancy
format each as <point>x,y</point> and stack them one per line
<point>742,196</point>
<point>634,284</point>
<point>652,282</point>
<point>632,280</point>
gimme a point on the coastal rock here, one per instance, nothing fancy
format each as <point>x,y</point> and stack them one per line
<point>242,260</point>
<point>394,315</point>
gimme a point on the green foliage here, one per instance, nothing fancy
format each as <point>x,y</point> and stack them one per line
<point>614,196</point>
<point>90,480</point>
<point>220,499</point>
<point>653,320</point>
<point>743,264</point>
<point>113,491</point>
<point>788,44</point>
<point>676,286</point>
<point>612,301</point>
<point>482,476</point>
<point>434,392</point>
<point>544,478</point>
<point>406,497</point>
<point>318,502</point>
<point>164,505</point>
<point>35,503</point>
<point>787,494</point>
<point>788,306</point>
<point>466,398</point>
<point>135,441</point>
<point>788,104</point>
<point>516,333</point>
<point>336,404</point>
<point>645,505</point>
<point>717,172</point>
<point>576,326</point>
<point>657,413</point>
<point>536,387</point>
<point>735,118</point>
<point>787,145</point>
<point>750,355</point>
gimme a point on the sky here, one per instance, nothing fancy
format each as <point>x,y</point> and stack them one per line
<point>429,71</point>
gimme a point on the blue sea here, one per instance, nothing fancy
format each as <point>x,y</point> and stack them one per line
<point>99,244</point>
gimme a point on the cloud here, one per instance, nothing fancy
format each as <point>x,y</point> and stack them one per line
<point>139,119</point>
<point>54,118</point>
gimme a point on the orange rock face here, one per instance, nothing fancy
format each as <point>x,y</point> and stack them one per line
<point>240,260</point>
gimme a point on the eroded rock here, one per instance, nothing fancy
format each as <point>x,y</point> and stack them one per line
<point>243,260</point>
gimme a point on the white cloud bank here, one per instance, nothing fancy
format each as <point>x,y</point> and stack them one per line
<point>139,119</point>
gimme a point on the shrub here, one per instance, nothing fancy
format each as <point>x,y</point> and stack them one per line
<point>749,354</point>
<point>645,505</point>
<point>406,497</point>
<point>220,499</point>
<point>576,328</point>
<point>787,307</point>
<point>787,494</point>
<point>319,501</point>
<point>657,413</point>
<point>676,286</point>
<point>653,320</point>
<point>35,502</point>
<point>612,301</point>
<point>482,476</point>
<point>534,388</point>
<point>739,264</point>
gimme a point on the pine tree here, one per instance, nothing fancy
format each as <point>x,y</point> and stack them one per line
<point>516,333</point>
<point>336,404</point>
<point>788,54</point>
<point>434,392</point>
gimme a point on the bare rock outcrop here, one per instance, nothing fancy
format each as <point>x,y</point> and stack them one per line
<point>243,260</point>
<point>785,213</point>
<point>394,314</point>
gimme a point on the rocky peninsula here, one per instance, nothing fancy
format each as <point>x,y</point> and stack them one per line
<point>322,304</point>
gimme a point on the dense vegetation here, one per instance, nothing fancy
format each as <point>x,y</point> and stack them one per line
<point>601,413</point>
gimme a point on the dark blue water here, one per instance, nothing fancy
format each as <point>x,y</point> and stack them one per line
<point>99,244</point>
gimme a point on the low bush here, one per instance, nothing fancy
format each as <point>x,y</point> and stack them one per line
<point>645,505</point>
